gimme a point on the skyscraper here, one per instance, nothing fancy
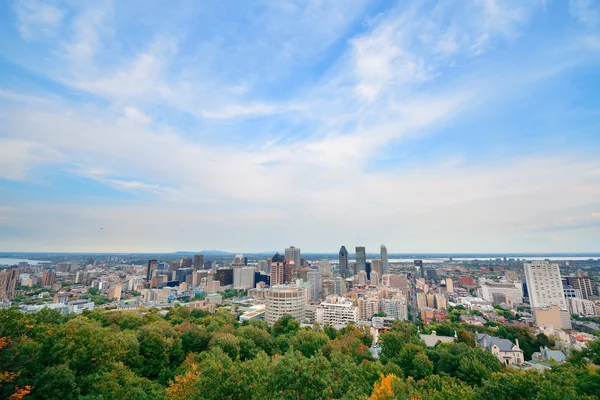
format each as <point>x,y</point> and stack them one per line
<point>293,253</point>
<point>385,269</point>
<point>544,284</point>
<point>314,279</point>
<point>343,257</point>
<point>152,266</point>
<point>324,268</point>
<point>198,262</point>
<point>8,283</point>
<point>361,258</point>
<point>277,267</point>
<point>419,264</point>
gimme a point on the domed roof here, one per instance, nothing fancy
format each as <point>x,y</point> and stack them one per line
<point>277,258</point>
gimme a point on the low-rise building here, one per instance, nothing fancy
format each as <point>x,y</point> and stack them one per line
<point>337,311</point>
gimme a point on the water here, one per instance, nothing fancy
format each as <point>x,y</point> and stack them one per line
<point>16,261</point>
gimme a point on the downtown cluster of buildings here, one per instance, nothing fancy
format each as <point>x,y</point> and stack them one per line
<point>369,291</point>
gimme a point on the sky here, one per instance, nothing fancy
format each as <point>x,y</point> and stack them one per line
<point>247,126</point>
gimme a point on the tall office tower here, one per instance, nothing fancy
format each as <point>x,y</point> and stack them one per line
<point>361,258</point>
<point>432,274</point>
<point>48,278</point>
<point>584,283</point>
<point>186,262</point>
<point>343,257</point>
<point>544,284</point>
<point>419,264</point>
<point>243,277</point>
<point>293,253</point>
<point>368,269</point>
<point>449,285</point>
<point>324,268</point>
<point>198,262</point>
<point>8,283</point>
<point>376,266</point>
<point>314,279</point>
<point>277,270</point>
<point>152,266</point>
<point>385,268</point>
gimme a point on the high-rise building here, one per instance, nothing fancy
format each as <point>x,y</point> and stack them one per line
<point>440,301</point>
<point>361,259</point>
<point>114,292</point>
<point>324,268</point>
<point>343,257</point>
<point>432,274</point>
<point>385,269</point>
<point>377,266</point>
<point>186,262</point>
<point>243,278</point>
<point>368,306</point>
<point>292,253</point>
<point>152,266</point>
<point>449,285</point>
<point>224,276</point>
<point>284,299</point>
<point>395,308</point>
<point>314,279</point>
<point>374,278</point>
<point>48,278</point>
<point>238,261</point>
<point>8,283</point>
<point>339,285</point>
<point>544,284</point>
<point>277,270</point>
<point>368,269</point>
<point>198,262</point>
<point>361,278</point>
<point>419,265</point>
<point>584,283</point>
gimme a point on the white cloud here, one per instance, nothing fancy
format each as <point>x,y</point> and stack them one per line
<point>37,19</point>
<point>17,157</point>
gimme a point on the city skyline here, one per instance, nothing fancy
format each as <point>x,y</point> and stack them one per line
<point>135,127</point>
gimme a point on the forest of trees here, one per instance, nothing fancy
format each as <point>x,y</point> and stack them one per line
<point>187,354</point>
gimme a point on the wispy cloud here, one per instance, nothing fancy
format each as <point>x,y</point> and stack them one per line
<point>585,11</point>
<point>37,19</point>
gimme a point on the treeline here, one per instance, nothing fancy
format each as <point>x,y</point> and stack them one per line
<point>193,355</point>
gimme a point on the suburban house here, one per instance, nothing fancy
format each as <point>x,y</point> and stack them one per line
<point>506,351</point>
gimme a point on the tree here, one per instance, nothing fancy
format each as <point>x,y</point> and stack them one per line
<point>308,342</point>
<point>226,342</point>
<point>56,383</point>
<point>384,389</point>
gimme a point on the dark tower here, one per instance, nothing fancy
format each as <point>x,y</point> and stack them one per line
<point>343,255</point>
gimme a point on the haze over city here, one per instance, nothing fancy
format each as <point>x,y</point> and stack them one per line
<point>430,126</point>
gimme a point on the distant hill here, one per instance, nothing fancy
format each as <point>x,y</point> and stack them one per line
<point>207,252</point>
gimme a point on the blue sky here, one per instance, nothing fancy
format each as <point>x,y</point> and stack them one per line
<point>430,126</point>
